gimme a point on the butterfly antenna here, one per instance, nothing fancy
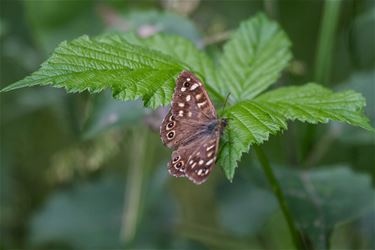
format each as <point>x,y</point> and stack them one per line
<point>226,101</point>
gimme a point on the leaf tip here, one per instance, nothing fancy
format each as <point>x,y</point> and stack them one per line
<point>10,87</point>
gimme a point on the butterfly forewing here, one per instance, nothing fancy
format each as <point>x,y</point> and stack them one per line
<point>190,99</point>
<point>175,132</point>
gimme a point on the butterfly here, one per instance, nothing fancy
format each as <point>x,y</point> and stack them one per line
<point>191,128</point>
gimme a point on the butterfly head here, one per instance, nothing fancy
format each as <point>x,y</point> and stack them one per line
<point>224,122</point>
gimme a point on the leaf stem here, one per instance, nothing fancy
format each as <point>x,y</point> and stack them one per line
<point>276,188</point>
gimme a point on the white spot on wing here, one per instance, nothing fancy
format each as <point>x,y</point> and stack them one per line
<point>190,114</point>
<point>200,162</point>
<point>201,104</point>
<point>188,79</point>
<point>195,85</point>
<point>209,162</point>
<point>198,96</point>
<point>181,113</point>
<point>210,147</point>
<point>188,97</point>
<point>183,89</point>
<point>180,104</point>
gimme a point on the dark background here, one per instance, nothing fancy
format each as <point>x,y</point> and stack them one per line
<point>87,172</point>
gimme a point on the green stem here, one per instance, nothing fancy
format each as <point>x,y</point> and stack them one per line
<point>276,188</point>
<point>323,60</point>
<point>326,40</point>
<point>134,187</point>
<point>270,7</point>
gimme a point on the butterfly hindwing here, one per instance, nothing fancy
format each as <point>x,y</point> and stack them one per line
<point>195,160</point>
<point>177,165</point>
<point>202,161</point>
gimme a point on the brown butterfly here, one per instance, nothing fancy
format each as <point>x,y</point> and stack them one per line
<point>192,129</point>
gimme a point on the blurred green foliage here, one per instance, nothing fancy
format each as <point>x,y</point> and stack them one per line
<point>83,172</point>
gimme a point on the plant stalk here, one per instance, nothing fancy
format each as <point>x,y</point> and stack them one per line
<point>276,188</point>
<point>331,10</point>
<point>133,191</point>
<point>323,60</point>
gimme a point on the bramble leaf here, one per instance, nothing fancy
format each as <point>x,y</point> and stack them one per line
<point>108,62</point>
<point>253,121</point>
<point>252,61</point>
<point>313,103</point>
<point>253,58</point>
<point>185,51</point>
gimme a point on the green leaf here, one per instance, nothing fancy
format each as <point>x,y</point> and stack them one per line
<point>363,82</point>
<point>320,199</point>
<point>254,120</point>
<point>184,51</point>
<point>108,62</point>
<point>251,62</point>
<point>253,58</point>
<point>325,196</point>
<point>312,103</point>
<point>249,122</point>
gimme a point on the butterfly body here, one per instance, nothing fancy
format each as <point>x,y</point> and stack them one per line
<point>192,129</point>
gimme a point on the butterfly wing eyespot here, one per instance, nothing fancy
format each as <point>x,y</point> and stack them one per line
<point>176,159</point>
<point>179,164</point>
<point>170,135</point>
<point>170,125</point>
<point>176,167</point>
